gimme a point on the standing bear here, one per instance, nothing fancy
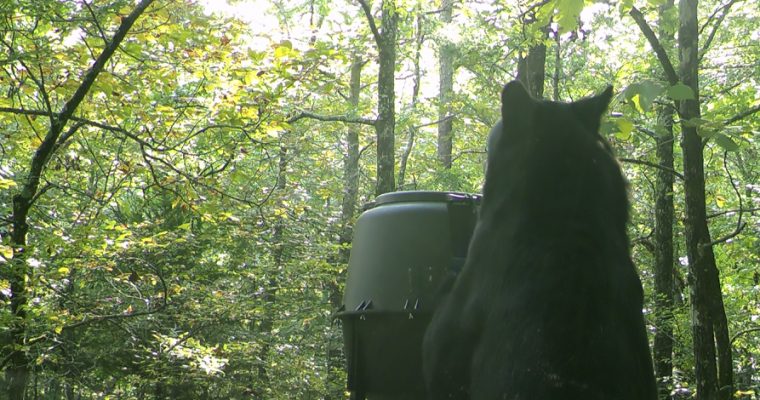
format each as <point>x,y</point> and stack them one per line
<point>549,304</point>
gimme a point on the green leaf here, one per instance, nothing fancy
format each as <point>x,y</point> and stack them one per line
<point>695,122</point>
<point>608,127</point>
<point>568,13</point>
<point>680,91</point>
<point>624,6</point>
<point>720,201</point>
<point>705,128</point>
<point>726,142</point>
<point>281,52</point>
<point>648,92</point>
<point>625,127</point>
<point>636,100</point>
<point>283,49</point>
<point>642,94</point>
<point>706,132</point>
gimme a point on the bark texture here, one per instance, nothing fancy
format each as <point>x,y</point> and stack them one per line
<point>709,323</point>
<point>445,90</point>
<point>663,234</point>
<point>386,118</point>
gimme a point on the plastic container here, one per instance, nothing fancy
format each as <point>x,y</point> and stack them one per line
<point>405,245</point>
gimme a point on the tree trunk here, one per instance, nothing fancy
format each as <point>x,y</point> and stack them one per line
<point>663,254</point>
<point>531,69</point>
<point>709,324</point>
<point>18,365</point>
<point>269,294</point>
<point>350,165</point>
<point>419,41</point>
<point>336,387</point>
<point>446,89</point>
<point>405,159</point>
<point>557,65</point>
<point>386,112</point>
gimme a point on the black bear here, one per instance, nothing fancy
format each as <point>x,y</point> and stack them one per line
<point>549,304</point>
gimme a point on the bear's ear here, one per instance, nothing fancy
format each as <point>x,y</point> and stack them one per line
<point>590,109</point>
<point>515,101</point>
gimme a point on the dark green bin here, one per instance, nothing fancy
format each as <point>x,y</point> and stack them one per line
<point>404,246</point>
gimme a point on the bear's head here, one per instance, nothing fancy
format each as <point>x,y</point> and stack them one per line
<point>548,159</point>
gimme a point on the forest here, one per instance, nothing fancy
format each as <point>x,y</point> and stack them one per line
<point>179,179</point>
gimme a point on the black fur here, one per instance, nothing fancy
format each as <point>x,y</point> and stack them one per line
<point>548,305</point>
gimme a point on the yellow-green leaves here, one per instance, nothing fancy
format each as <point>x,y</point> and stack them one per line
<point>643,94</point>
<point>624,127</point>
<point>6,253</point>
<point>284,49</point>
<point>720,201</point>
<point>6,183</point>
<point>568,14</point>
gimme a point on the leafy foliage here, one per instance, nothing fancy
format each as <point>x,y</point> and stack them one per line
<point>184,239</point>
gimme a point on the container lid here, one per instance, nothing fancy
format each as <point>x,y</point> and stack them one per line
<point>424,196</point>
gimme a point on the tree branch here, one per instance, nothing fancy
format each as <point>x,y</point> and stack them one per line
<point>653,165</point>
<point>744,210</point>
<point>648,132</point>
<point>96,22</point>
<point>331,118</point>
<point>22,111</point>
<point>444,119</point>
<point>742,115</point>
<point>125,132</point>
<point>371,20</point>
<point>662,55</point>
<point>100,62</point>
<point>744,332</point>
<point>739,224</point>
<point>731,235</point>
<point>22,201</point>
<point>99,318</point>
<point>716,25</point>
<point>69,133</point>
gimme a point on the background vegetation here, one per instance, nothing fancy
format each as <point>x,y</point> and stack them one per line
<point>178,182</point>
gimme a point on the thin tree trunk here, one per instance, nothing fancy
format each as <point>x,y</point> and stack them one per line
<point>663,254</point>
<point>405,159</point>
<point>419,41</point>
<point>531,69</point>
<point>386,112</point>
<point>18,365</point>
<point>708,318</point>
<point>269,295</point>
<point>446,90</point>
<point>557,66</point>
<point>350,164</point>
<point>336,388</point>
<point>709,323</point>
